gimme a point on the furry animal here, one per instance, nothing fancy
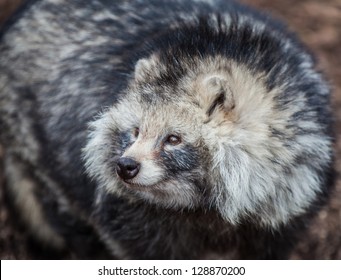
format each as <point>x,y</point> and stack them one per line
<point>162,129</point>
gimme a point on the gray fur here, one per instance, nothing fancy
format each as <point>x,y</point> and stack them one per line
<point>78,79</point>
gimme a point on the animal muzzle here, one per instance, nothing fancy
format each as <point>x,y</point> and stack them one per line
<point>127,168</point>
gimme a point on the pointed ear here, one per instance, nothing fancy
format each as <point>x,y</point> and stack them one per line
<point>144,68</point>
<point>216,96</point>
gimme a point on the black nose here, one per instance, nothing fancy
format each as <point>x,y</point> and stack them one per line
<point>127,168</point>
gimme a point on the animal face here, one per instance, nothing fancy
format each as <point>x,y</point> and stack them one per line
<point>159,156</point>
<point>152,142</point>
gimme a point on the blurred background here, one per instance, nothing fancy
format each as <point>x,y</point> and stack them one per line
<point>318,24</point>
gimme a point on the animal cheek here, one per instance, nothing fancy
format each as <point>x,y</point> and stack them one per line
<point>151,173</point>
<point>122,142</point>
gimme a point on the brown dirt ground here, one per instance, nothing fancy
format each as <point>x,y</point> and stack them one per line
<point>318,23</point>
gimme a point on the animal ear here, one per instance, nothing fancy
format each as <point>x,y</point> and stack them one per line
<point>144,68</point>
<point>216,96</point>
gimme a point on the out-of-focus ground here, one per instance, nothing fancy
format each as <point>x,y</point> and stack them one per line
<point>318,23</point>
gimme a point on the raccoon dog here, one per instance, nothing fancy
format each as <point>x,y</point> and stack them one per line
<point>162,129</point>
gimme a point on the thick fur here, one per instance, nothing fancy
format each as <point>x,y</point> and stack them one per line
<point>85,83</point>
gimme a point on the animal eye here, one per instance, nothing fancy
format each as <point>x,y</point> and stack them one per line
<point>173,140</point>
<point>136,132</point>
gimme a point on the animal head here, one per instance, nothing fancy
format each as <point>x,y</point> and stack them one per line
<point>209,133</point>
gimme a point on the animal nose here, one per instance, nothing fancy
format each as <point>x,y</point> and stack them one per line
<point>127,168</point>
